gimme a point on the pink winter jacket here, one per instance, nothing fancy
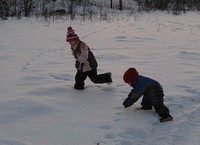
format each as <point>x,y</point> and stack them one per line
<point>84,56</point>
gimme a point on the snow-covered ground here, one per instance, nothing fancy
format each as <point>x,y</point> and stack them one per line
<point>38,105</point>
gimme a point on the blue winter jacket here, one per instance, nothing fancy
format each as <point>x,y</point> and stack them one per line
<point>149,88</point>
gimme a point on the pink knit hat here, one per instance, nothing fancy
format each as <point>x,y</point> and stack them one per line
<point>131,76</point>
<point>71,35</point>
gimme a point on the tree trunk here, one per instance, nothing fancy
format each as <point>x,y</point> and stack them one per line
<point>120,5</point>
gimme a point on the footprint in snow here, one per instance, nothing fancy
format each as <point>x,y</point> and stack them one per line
<point>110,136</point>
<point>61,76</point>
<point>106,127</point>
<point>8,142</point>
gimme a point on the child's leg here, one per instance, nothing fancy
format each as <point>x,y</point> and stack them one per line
<point>163,112</point>
<point>99,79</point>
<point>146,105</point>
<point>158,101</point>
<point>161,109</point>
<point>79,80</point>
<point>159,105</point>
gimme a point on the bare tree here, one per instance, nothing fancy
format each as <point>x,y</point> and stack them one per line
<point>53,9</point>
<point>120,5</point>
<point>27,5</point>
<point>72,9</point>
<point>4,9</point>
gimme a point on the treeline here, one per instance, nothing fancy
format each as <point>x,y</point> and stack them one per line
<point>49,8</point>
<point>176,6</point>
<point>72,8</point>
<point>18,8</point>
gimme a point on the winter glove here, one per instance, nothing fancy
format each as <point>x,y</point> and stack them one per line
<point>77,64</point>
<point>128,102</point>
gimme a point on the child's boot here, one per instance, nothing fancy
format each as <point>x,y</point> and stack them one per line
<point>166,118</point>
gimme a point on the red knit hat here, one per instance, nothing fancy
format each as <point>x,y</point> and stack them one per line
<point>71,35</point>
<point>131,76</point>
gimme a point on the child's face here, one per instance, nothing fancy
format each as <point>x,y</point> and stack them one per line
<point>72,42</point>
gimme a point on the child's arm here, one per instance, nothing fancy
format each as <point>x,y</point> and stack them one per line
<point>132,98</point>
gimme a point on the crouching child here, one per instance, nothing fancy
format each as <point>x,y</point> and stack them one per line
<point>150,89</point>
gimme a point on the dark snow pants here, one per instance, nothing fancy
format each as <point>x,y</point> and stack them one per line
<point>97,79</point>
<point>157,101</point>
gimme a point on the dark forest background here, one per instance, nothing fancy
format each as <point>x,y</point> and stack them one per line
<point>88,8</point>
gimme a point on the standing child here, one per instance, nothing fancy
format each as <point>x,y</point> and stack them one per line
<point>85,62</point>
<point>151,91</point>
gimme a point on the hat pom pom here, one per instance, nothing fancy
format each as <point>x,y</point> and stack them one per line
<point>69,29</point>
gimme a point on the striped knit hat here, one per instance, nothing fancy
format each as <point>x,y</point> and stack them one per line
<point>71,35</point>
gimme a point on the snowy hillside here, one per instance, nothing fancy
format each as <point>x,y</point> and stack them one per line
<point>38,105</point>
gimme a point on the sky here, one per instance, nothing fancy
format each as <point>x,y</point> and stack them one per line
<point>39,106</point>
